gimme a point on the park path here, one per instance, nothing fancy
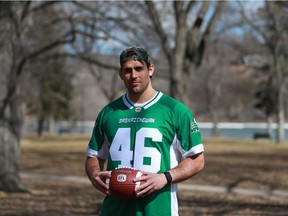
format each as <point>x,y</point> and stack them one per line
<point>181,186</point>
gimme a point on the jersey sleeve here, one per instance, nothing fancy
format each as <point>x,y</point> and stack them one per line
<point>98,146</point>
<point>188,135</point>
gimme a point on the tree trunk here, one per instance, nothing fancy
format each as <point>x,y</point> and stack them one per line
<point>10,132</point>
<point>213,112</point>
<point>40,127</point>
<point>11,122</point>
<point>280,115</point>
<point>269,125</point>
<point>280,98</point>
<point>51,125</point>
<point>177,82</point>
<point>213,90</point>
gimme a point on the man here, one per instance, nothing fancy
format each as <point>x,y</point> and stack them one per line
<point>149,131</point>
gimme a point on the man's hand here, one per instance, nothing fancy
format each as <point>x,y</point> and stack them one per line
<point>94,167</point>
<point>150,182</point>
<point>99,181</point>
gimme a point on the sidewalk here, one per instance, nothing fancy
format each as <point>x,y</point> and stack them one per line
<point>243,191</point>
<point>181,186</point>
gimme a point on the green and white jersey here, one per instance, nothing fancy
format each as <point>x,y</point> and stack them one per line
<point>152,137</point>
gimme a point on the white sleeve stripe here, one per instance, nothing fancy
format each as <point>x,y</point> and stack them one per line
<point>94,153</point>
<point>91,152</point>
<point>194,150</point>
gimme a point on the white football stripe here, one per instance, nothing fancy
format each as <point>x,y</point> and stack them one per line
<point>138,174</point>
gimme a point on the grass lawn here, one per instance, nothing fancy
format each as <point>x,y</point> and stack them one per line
<point>260,165</point>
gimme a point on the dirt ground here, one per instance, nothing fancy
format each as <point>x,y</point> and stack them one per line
<point>247,164</point>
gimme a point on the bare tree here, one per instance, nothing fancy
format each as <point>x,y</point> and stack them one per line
<point>184,53</point>
<point>270,26</point>
<point>17,22</point>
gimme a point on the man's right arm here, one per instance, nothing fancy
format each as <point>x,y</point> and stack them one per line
<point>94,169</point>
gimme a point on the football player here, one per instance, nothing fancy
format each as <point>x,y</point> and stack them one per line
<point>147,130</point>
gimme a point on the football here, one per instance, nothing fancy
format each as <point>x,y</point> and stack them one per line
<point>121,183</point>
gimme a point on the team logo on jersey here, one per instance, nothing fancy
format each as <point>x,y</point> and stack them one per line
<point>138,109</point>
<point>194,126</point>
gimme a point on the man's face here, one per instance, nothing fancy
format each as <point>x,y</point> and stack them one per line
<point>136,76</point>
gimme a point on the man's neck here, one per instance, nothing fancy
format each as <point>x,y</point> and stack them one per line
<point>144,97</point>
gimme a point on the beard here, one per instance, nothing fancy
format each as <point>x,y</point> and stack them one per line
<point>138,89</point>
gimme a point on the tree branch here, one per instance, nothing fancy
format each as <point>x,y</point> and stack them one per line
<point>20,66</point>
<point>25,11</point>
<point>44,5</point>
<point>159,29</point>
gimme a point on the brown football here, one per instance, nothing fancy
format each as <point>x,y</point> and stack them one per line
<point>121,183</point>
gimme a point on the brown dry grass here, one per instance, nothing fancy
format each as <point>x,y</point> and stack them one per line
<point>231,163</point>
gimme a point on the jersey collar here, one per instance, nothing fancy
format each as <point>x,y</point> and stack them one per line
<point>130,104</point>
